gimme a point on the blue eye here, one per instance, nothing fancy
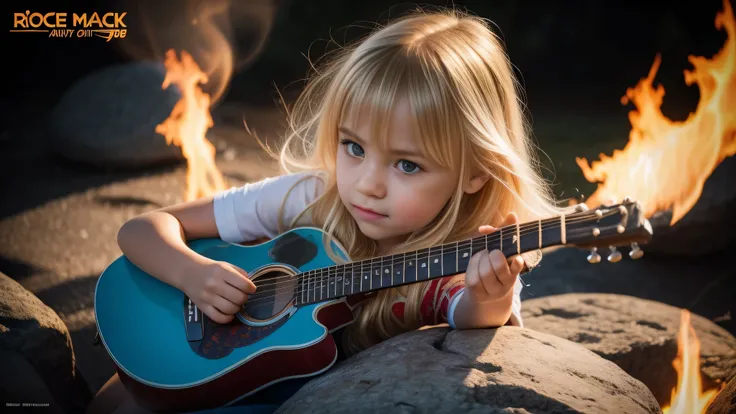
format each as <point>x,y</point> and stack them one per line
<point>409,167</point>
<point>352,148</point>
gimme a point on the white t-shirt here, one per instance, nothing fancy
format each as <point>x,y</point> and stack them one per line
<point>250,212</point>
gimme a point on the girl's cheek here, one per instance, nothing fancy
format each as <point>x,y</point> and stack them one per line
<point>412,209</point>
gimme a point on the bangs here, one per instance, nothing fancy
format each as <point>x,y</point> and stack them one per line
<point>370,92</point>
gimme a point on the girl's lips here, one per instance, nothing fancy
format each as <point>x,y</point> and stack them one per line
<point>368,214</point>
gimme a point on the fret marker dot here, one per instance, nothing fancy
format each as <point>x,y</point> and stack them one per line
<point>385,271</point>
<point>465,254</point>
<point>436,260</point>
<point>424,265</point>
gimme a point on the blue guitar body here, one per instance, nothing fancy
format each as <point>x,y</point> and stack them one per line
<point>173,358</point>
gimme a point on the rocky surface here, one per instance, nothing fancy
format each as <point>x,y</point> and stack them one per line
<point>638,335</point>
<point>508,369</point>
<point>109,117</point>
<point>36,347</point>
<point>725,401</point>
<point>59,224</point>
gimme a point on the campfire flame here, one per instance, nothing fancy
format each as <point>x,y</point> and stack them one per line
<point>665,163</point>
<point>687,397</point>
<point>188,123</point>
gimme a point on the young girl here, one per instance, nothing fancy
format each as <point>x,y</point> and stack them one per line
<point>411,139</point>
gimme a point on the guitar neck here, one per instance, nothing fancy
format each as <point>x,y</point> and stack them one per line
<point>425,264</point>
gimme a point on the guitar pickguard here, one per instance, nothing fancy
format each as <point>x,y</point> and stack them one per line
<point>219,340</point>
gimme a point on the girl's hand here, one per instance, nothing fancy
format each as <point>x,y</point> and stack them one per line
<point>219,289</point>
<point>489,276</point>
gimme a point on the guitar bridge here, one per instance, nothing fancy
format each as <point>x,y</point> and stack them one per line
<point>193,321</point>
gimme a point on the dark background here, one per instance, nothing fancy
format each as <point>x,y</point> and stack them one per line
<point>571,55</point>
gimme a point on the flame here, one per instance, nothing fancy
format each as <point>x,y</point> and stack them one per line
<point>665,163</point>
<point>188,123</point>
<point>687,397</point>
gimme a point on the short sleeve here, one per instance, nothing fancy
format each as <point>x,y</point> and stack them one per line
<point>251,212</point>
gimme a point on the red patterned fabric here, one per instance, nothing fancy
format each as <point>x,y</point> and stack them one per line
<point>435,302</point>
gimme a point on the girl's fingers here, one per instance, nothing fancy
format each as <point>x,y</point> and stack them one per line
<point>217,316</point>
<point>501,268</point>
<point>225,306</point>
<point>484,268</point>
<point>471,275</point>
<point>516,266</point>
<point>510,219</point>
<point>486,229</point>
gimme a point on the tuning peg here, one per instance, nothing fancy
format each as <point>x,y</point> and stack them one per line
<point>636,252</point>
<point>594,257</point>
<point>615,255</point>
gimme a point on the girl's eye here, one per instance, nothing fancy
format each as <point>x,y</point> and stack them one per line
<point>352,148</point>
<point>409,167</point>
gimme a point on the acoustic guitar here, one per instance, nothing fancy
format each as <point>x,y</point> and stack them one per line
<point>171,357</point>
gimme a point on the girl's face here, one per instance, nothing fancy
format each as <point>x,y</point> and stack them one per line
<point>392,191</point>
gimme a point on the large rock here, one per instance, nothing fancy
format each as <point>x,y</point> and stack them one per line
<point>36,354</point>
<point>109,118</point>
<point>638,335</point>
<point>709,222</point>
<point>509,369</point>
<point>725,401</point>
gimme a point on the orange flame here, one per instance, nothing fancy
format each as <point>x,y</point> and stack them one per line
<point>665,163</point>
<point>687,397</point>
<point>188,123</point>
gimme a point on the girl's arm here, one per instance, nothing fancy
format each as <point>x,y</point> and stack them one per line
<point>441,304</point>
<point>469,314</point>
<point>156,241</point>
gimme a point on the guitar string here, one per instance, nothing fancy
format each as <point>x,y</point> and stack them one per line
<point>293,281</point>
<point>318,275</point>
<point>258,302</point>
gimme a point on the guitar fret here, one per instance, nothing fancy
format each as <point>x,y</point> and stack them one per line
<point>500,232</point>
<point>457,254</point>
<point>403,274</point>
<point>540,233</point>
<point>518,238</point>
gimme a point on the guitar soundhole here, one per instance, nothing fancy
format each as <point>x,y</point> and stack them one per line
<point>275,290</point>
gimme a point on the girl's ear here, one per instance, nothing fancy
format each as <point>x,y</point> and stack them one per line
<point>475,184</point>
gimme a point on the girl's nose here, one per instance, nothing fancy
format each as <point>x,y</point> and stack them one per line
<point>372,182</point>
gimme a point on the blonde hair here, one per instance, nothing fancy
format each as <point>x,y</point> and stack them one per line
<point>461,87</point>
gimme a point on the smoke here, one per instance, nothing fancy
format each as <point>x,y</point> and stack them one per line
<point>223,36</point>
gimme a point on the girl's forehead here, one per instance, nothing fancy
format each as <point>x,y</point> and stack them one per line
<point>397,134</point>
<point>394,127</point>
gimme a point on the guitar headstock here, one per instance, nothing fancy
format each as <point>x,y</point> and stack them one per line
<point>610,227</point>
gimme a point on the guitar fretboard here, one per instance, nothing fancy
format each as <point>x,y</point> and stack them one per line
<point>424,264</point>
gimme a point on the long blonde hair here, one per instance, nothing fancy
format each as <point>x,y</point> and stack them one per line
<point>460,85</point>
